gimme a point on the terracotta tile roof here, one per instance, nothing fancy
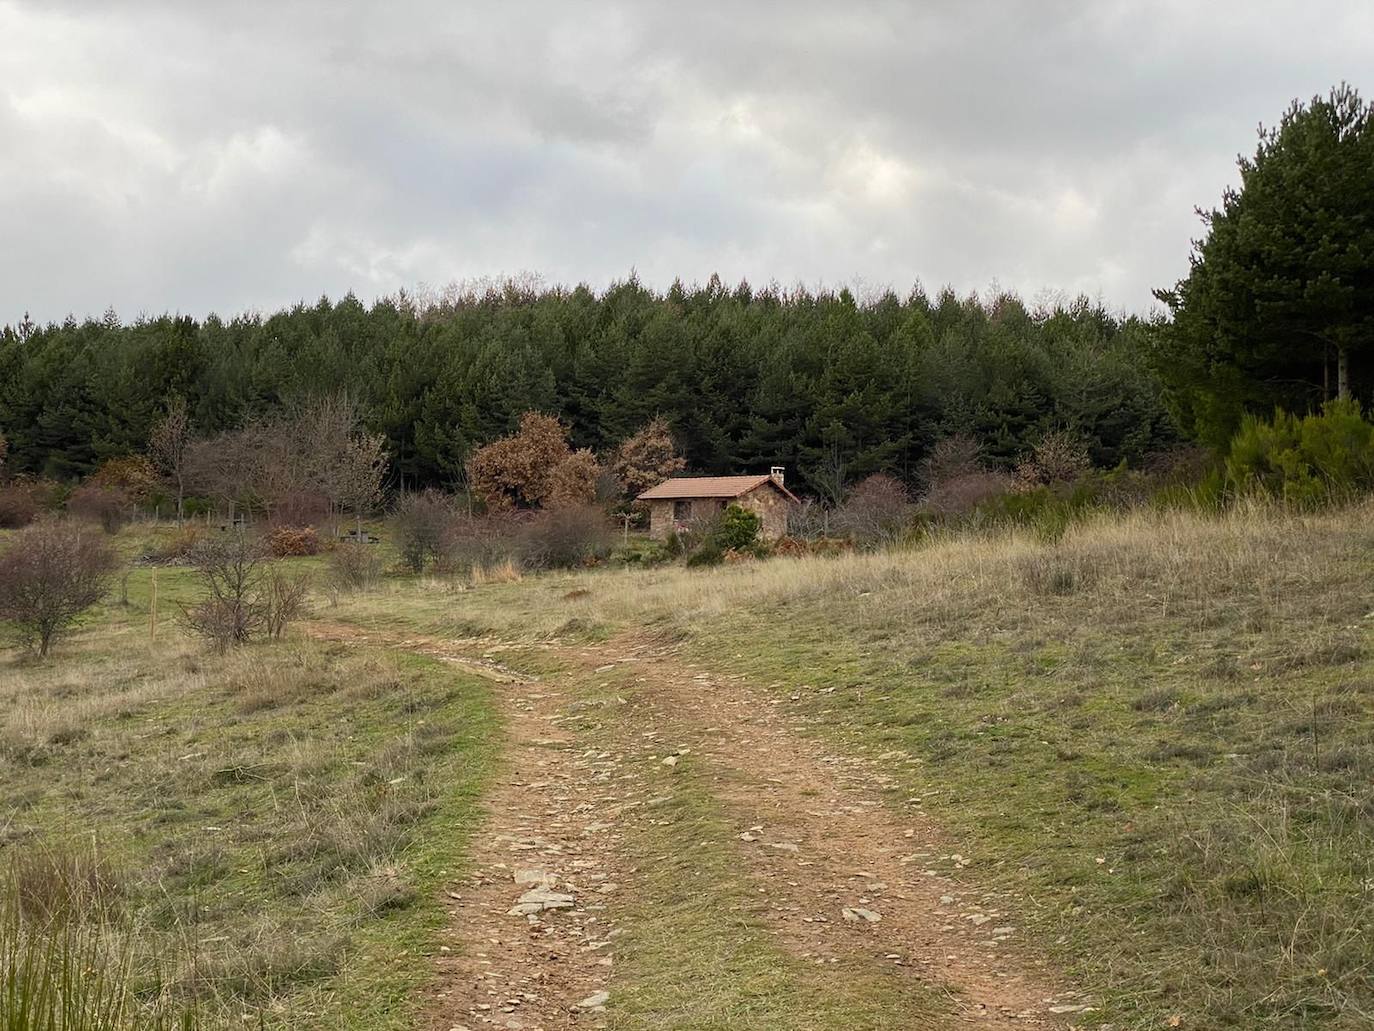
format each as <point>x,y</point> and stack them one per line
<point>709,487</point>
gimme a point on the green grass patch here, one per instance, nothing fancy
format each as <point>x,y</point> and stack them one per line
<point>278,820</point>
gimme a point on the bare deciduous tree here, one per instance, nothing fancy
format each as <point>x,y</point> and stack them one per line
<point>50,574</point>
<point>357,471</point>
<point>243,595</point>
<point>311,458</point>
<point>170,447</point>
<point>222,467</point>
<point>877,511</point>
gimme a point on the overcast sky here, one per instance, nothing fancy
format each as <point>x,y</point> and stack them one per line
<point>195,156</point>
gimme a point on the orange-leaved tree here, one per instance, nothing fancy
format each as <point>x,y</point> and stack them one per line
<point>533,468</point>
<point>647,457</point>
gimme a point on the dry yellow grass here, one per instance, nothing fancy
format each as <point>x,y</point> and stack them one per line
<point>1141,565</point>
<point>1158,727</point>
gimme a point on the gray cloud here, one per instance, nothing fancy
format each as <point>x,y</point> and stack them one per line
<point>200,157</point>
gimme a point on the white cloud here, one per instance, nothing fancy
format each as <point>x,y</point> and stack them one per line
<point>163,155</point>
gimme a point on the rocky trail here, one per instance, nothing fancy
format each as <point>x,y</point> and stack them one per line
<point>843,876</point>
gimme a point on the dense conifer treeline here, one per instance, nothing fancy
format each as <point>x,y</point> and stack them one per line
<point>830,387</point>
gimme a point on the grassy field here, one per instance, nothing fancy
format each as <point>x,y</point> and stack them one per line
<point>263,834</point>
<point>1156,730</point>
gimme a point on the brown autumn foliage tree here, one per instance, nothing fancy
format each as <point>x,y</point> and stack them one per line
<point>4,453</point>
<point>647,458</point>
<point>134,475</point>
<point>533,468</point>
<point>51,573</point>
<point>169,445</point>
<point>573,483</point>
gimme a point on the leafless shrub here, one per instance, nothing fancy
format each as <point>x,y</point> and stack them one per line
<point>809,521</point>
<point>566,537</point>
<point>963,494</point>
<point>479,542</point>
<point>354,566</point>
<point>953,458</point>
<point>229,569</point>
<point>702,527</point>
<point>111,507</point>
<point>51,573</point>
<point>283,599</point>
<point>420,523</point>
<point>18,505</point>
<point>1060,457</point>
<point>876,512</point>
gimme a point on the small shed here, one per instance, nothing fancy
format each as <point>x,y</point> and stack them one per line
<point>674,504</point>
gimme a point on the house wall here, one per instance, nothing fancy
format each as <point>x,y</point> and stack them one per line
<point>660,519</point>
<point>661,514</point>
<point>770,506</point>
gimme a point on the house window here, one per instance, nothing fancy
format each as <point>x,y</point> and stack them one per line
<point>682,511</point>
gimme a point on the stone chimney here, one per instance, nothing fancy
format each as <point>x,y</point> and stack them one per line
<point>777,474</point>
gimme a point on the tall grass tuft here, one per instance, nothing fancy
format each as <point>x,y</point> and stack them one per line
<point>63,966</point>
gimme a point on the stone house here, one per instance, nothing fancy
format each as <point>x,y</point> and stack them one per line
<point>674,504</point>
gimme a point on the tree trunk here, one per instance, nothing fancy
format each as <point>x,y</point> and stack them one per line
<point>1342,373</point>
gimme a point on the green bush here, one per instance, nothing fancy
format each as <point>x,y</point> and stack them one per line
<point>672,545</point>
<point>1304,461</point>
<point>1210,493</point>
<point>737,530</point>
<point>708,553</point>
<point>1048,511</point>
<point>643,552</point>
<point>731,529</point>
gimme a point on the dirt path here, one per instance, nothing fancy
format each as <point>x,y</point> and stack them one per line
<point>848,878</point>
<point>845,873</point>
<point>550,839</point>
